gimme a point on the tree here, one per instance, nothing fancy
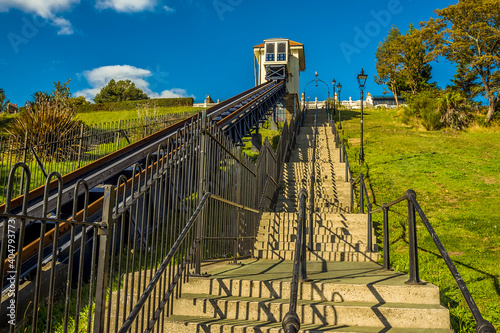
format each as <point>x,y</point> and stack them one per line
<point>467,33</point>
<point>416,70</point>
<point>61,91</point>
<point>402,63</point>
<point>119,91</point>
<point>465,82</point>
<point>4,102</point>
<point>389,63</point>
<point>75,101</point>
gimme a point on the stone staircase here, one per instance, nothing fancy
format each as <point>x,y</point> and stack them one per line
<point>349,291</point>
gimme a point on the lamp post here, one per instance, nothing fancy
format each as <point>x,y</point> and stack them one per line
<point>333,84</point>
<point>316,80</point>
<point>339,89</point>
<point>362,81</point>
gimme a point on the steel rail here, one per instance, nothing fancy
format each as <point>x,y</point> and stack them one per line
<point>114,163</point>
<point>108,166</point>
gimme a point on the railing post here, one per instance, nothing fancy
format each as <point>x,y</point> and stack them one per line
<point>370,228</point>
<point>118,134</point>
<point>346,160</point>
<point>238,200</point>
<point>385,210</point>
<point>341,152</point>
<point>104,255</point>
<point>361,195</point>
<point>201,189</point>
<point>80,144</point>
<point>412,241</point>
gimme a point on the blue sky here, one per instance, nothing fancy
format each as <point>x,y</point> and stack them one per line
<point>193,47</point>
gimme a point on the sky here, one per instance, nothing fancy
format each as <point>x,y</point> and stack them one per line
<point>172,48</point>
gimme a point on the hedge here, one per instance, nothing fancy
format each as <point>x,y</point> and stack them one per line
<point>130,105</point>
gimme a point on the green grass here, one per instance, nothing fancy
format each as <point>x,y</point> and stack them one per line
<point>456,176</point>
<point>266,132</point>
<point>92,118</point>
<point>5,120</point>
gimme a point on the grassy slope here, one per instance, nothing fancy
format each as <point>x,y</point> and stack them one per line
<point>110,116</point>
<point>456,176</point>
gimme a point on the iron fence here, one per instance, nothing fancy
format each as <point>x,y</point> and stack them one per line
<point>116,261</point>
<point>66,151</point>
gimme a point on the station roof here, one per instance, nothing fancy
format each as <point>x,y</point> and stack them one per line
<point>291,43</point>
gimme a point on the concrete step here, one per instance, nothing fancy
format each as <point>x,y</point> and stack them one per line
<point>316,291</point>
<point>322,247</point>
<point>189,324</point>
<point>323,218</point>
<point>314,312</point>
<point>319,256</point>
<point>353,230</point>
<point>332,238</point>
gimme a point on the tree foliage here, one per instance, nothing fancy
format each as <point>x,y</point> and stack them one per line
<point>4,102</point>
<point>389,63</point>
<point>467,33</point>
<point>465,82</point>
<point>416,70</point>
<point>123,90</point>
<point>402,63</point>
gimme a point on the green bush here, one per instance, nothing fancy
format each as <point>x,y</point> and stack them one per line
<point>431,118</point>
<point>130,105</point>
<point>424,107</point>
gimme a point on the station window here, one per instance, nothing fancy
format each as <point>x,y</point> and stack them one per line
<point>270,52</point>
<point>281,51</point>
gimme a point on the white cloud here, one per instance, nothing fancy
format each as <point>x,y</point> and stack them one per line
<point>169,9</point>
<point>46,9</point>
<point>99,77</point>
<point>127,6</point>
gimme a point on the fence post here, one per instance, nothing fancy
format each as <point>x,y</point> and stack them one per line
<point>412,241</point>
<point>201,190</point>
<point>80,144</point>
<point>370,226</point>
<point>361,199</point>
<point>104,255</point>
<point>118,134</point>
<point>385,209</point>
<point>238,200</point>
<point>25,150</point>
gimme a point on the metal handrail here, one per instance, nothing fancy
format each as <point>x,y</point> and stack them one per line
<point>482,325</point>
<point>291,321</point>
<point>313,180</point>
<point>152,284</point>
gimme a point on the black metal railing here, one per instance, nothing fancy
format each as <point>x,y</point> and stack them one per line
<point>291,321</point>
<point>363,193</point>
<point>67,150</point>
<point>312,181</point>
<point>482,325</point>
<point>118,257</point>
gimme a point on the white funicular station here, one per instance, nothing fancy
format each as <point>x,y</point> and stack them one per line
<point>281,59</point>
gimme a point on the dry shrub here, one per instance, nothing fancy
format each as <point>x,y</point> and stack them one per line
<point>51,127</point>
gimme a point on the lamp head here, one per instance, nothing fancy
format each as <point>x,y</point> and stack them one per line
<point>362,79</point>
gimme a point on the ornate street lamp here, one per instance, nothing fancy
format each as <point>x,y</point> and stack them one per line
<point>333,84</point>
<point>339,89</point>
<point>362,81</point>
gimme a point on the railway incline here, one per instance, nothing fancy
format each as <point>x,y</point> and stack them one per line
<point>346,290</point>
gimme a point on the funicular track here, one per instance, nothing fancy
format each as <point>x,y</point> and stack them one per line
<point>235,116</point>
